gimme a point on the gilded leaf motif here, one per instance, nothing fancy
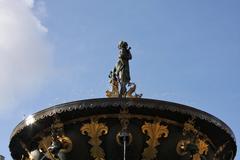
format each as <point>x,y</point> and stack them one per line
<point>154,131</point>
<point>95,130</point>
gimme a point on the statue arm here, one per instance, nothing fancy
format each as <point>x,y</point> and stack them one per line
<point>129,54</point>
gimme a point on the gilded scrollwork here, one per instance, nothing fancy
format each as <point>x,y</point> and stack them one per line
<point>202,146</point>
<point>192,145</point>
<point>46,142</point>
<point>57,144</point>
<point>202,149</point>
<point>94,130</point>
<point>188,127</point>
<point>114,92</point>
<point>154,131</point>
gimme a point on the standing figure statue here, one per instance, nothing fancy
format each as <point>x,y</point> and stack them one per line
<point>122,66</point>
<point>120,75</point>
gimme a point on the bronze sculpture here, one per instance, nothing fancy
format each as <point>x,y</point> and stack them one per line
<point>122,66</point>
<point>120,75</point>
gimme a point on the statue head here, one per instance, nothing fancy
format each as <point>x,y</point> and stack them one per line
<point>122,44</point>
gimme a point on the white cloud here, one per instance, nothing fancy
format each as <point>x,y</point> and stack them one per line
<point>29,3</point>
<point>40,9</point>
<point>25,54</point>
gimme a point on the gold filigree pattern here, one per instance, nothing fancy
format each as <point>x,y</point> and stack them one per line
<point>189,127</point>
<point>154,131</point>
<point>202,146</point>
<point>46,142</point>
<point>202,149</point>
<point>192,137</point>
<point>57,134</point>
<point>95,130</point>
<point>114,92</point>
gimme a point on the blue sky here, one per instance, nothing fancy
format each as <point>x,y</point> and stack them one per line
<point>184,51</point>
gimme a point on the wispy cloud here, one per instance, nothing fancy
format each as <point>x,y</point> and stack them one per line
<point>25,53</point>
<point>40,9</point>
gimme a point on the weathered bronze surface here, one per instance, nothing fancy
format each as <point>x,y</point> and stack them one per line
<point>122,69</point>
<point>120,75</point>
